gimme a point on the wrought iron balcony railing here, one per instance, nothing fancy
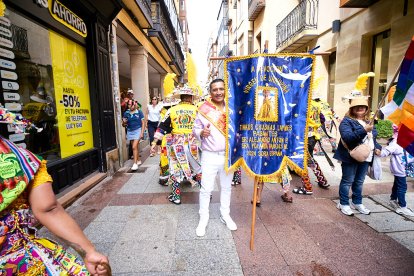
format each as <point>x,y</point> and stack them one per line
<point>303,17</point>
<point>145,6</point>
<point>163,30</point>
<point>255,7</point>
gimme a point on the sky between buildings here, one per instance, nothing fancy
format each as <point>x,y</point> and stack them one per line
<point>202,22</point>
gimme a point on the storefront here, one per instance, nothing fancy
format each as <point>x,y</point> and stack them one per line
<point>55,71</point>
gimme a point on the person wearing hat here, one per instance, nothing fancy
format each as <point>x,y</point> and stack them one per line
<point>164,165</point>
<point>355,129</point>
<point>182,146</point>
<point>27,199</point>
<point>314,123</point>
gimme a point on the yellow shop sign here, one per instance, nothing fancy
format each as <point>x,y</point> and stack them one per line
<point>67,17</point>
<point>64,15</point>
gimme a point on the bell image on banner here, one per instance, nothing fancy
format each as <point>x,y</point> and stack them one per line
<point>267,103</point>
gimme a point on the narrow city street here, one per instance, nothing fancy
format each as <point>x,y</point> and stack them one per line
<point>128,218</point>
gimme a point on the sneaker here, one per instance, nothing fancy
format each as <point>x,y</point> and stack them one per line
<point>201,228</point>
<point>175,201</point>
<point>394,204</point>
<point>134,167</point>
<point>361,208</point>
<point>139,163</point>
<point>228,222</point>
<point>345,209</point>
<point>405,211</point>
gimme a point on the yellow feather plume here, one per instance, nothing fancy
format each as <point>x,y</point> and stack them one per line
<point>361,82</point>
<point>2,8</point>
<point>316,83</point>
<point>168,84</point>
<point>191,71</point>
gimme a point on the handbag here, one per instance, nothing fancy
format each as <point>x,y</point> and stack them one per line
<point>360,153</point>
<point>375,169</point>
<point>409,166</point>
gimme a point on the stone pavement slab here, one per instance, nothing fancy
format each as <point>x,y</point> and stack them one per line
<point>387,222</point>
<point>143,256</point>
<point>206,255</point>
<point>99,232</point>
<point>404,238</point>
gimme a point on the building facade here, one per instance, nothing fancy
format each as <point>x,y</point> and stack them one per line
<point>353,37</point>
<point>149,41</point>
<point>55,71</point>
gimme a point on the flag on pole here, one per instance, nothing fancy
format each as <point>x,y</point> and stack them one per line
<point>400,110</point>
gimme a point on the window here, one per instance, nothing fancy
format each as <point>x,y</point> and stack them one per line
<point>251,43</point>
<point>379,65</point>
<point>241,45</point>
<point>331,72</point>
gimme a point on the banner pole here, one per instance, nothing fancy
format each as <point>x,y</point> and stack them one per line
<point>316,54</point>
<point>256,181</point>
<point>397,72</point>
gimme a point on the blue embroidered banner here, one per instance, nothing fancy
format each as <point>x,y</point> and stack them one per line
<point>267,102</point>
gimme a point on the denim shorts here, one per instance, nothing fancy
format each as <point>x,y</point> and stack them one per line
<point>133,134</point>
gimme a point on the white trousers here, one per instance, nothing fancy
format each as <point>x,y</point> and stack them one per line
<point>212,163</point>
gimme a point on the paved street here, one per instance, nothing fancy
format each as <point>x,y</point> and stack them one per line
<point>129,218</point>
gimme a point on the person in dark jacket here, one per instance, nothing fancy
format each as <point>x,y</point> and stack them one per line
<point>355,129</point>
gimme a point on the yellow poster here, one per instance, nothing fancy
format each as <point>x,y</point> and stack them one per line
<point>70,77</point>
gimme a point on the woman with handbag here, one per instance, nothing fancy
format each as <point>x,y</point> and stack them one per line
<point>355,151</point>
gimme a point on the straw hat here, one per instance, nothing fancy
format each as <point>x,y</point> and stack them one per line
<point>357,97</point>
<point>170,101</point>
<point>359,101</point>
<point>184,90</point>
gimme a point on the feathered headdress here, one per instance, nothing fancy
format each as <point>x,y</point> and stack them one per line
<point>362,80</point>
<point>314,88</point>
<point>360,86</point>
<point>168,84</point>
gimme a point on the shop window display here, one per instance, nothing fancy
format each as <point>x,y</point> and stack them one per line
<point>37,65</point>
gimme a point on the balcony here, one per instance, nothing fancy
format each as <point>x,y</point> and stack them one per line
<point>255,7</point>
<point>356,3</point>
<point>298,27</point>
<point>141,9</point>
<point>224,51</point>
<point>164,37</point>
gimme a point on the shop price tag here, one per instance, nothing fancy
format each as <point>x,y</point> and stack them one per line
<point>5,21</point>
<point>6,53</point>
<point>8,75</point>
<point>11,96</point>
<point>6,43</point>
<point>13,106</point>
<point>7,64</point>
<point>10,85</point>
<point>5,32</point>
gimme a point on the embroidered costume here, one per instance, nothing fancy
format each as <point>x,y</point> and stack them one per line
<point>22,251</point>
<point>181,145</point>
